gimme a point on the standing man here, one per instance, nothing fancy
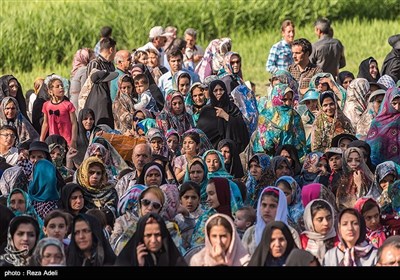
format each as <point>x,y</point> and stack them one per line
<point>391,65</point>
<point>123,62</point>
<point>328,53</point>
<point>105,32</point>
<point>105,59</point>
<point>157,40</point>
<point>302,69</point>
<point>193,53</point>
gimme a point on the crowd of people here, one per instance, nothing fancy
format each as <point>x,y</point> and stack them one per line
<point>165,156</point>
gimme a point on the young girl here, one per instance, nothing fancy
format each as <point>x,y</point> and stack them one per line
<point>59,114</point>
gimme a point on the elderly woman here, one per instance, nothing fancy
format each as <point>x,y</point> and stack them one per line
<point>48,252</point>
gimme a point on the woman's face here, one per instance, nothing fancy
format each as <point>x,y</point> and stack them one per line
<point>312,105</point>
<point>173,142</point>
<point>373,69</point>
<point>55,153</point>
<point>177,105</point>
<point>83,236</point>
<point>377,102</point>
<point>268,208</point>
<point>56,228</point>
<point>198,96</point>
<point>286,154</point>
<point>349,229</point>
<point>219,235</point>
<point>17,202</point>
<point>328,107</point>
<point>13,87</point>
<point>51,256</point>
<point>95,176</point>
<point>88,122</point>
<point>152,237</point>
<point>156,144</point>
<point>286,190</point>
<point>288,34</point>
<point>354,160</point>
<point>153,178</point>
<point>184,85</point>
<point>24,237</point>
<point>322,221</point>
<point>190,200</point>
<point>126,88</point>
<point>387,181</point>
<point>396,104</point>
<point>212,198</point>
<point>76,200</point>
<point>10,111</point>
<point>196,173</point>
<point>225,151</point>
<point>255,170</point>
<point>236,63</point>
<point>372,218</point>
<point>153,207</point>
<point>288,99</point>
<point>344,144</point>
<point>212,162</point>
<point>218,92</point>
<point>152,60</point>
<point>190,146</point>
<point>347,82</point>
<point>282,170</point>
<point>278,243</point>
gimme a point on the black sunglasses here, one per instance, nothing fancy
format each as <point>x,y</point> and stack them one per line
<point>136,119</point>
<point>146,202</point>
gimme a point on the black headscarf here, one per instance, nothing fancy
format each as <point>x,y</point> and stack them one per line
<point>141,178</point>
<point>6,216</point>
<point>343,75</point>
<point>168,255</point>
<point>235,167</point>
<point>102,253</point>
<point>4,92</point>
<point>66,193</point>
<point>37,115</point>
<point>296,166</point>
<point>217,128</point>
<point>363,70</point>
<point>82,142</point>
<point>262,255</point>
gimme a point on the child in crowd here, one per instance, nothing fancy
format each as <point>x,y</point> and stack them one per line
<point>245,218</point>
<point>146,100</point>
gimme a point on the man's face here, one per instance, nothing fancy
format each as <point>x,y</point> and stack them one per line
<point>175,62</point>
<point>298,54</point>
<point>190,41</point>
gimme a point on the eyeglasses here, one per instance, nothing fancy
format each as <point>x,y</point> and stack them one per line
<point>136,119</point>
<point>12,136</point>
<point>146,203</point>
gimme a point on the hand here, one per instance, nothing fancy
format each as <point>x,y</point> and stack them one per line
<point>72,152</point>
<point>183,211</point>
<point>99,133</point>
<point>73,144</point>
<point>221,113</point>
<point>141,252</point>
<point>218,254</point>
<point>357,175</point>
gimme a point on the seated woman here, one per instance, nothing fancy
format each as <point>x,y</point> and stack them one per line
<point>89,246</point>
<point>48,252</point>
<point>356,101</point>
<point>222,244</point>
<point>353,249</point>
<point>329,122</point>
<point>275,245</point>
<point>320,234</point>
<point>382,136</point>
<point>151,245</point>
<point>72,199</point>
<point>196,171</point>
<point>369,70</point>
<point>290,152</point>
<point>231,158</point>
<point>22,237</point>
<point>325,82</point>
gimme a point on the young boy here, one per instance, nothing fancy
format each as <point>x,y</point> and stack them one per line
<point>146,100</point>
<point>245,218</point>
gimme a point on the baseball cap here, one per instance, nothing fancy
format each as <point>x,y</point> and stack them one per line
<point>158,31</point>
<point>103,76</point>
<point>333,151</point>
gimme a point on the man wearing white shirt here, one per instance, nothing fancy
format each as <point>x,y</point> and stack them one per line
<point>157,40</point>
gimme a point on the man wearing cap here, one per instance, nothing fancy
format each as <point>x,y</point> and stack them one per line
<point>157,40</point>
<point>123,62</point>
<point>302,69</point>
<point>105,59</point>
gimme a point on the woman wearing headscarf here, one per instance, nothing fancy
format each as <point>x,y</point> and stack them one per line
<point>344,79</point>
<point>369,70</point>
<point>10,114</point>
<point>89,246</point>
<point>151,245</point>
<point>72,199</point>
<point>272,251</point>
<point>11,87</point>
<point>86,127</point>
<point>196,171</point>
<point>228,251</point>
<point>319,235</point>
<point>356,101</point>
<point>391,214</point>
<point>366,149</point>
<point>231,72</point>
<point>353,249</point>
<point>48,252</point>
<point>195,101</point>
<point>174,114</point>
<point>22,237</point>
<point>221,119</point>
<point>329,122</point>
<point>123,105</point>
<point>280,124</point>
<point>317,191</point>
<point>231,158</point>
<point>157,179</point>
<point>383,133</point>
<point>310,169</point>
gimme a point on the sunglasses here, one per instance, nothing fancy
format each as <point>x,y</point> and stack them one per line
<point>136,119</point>
<point>146,203</point>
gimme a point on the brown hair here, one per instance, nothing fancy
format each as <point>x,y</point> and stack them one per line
<point>286,23</point>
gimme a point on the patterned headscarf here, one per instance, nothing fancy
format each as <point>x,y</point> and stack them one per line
<point>83,173</point>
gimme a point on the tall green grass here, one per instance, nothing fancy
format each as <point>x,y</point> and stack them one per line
<point>41,37</point>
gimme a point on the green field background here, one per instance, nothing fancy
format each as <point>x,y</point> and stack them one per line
<point>41,37</point>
